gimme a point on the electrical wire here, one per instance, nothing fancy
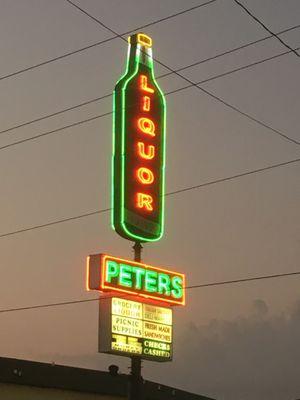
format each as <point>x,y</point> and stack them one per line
<point>247,66</point>
<point>54,131</point>
<point>201,185</point>
<point>264,26</point>
<point>55,113</point>
<point>247,115</point>
<point>167,93</point>
<point>283,135</point>
<point>150,24</point>
<point>194,84</point>
<point>229,178</point>
<point>255,278</point>
<point>233,50</point>
<point>7,130</point>
<point>82,49</point>
<point>59,221</point>
<point>229,282</point>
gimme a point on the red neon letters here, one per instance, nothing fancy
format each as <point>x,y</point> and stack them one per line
<point>146,128</point>
<point>144,84</point>
<point>146,152</point>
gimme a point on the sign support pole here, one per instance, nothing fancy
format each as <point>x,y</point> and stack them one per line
<point>137,247</point>
<point>135,384</point>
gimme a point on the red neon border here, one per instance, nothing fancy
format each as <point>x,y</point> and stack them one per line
<point>132,292</point>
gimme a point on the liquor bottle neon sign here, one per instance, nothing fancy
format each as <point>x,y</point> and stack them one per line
<point>139,147</point>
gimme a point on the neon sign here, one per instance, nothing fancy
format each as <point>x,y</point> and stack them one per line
<point>133,328</point>
<point>139,125</point>
<point>112,274</point>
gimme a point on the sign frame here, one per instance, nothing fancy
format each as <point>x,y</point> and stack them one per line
<point>96,279</point>
<point>138,46</point>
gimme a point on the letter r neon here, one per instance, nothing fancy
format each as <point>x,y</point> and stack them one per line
<point>144,201</point>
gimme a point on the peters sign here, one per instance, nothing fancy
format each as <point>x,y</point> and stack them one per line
<point>112,274</point>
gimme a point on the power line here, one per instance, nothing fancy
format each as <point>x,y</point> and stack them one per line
<point>192,84</point>
<point>147,25</point>
<point>216,181</point>
<point>84,121</point>
<point>243,280</point>
<point>63,303</point>
<point>233,50</point>
<point>7,130</point>
<point>168,93</point>
<point>55,113</point>
<point>141,27</point>
<point>82,49</point>
<point>264,26</point>
<point>215,97</point>
<point>247,115</point>
<point>255,278</point>
<point>168,194</point>
<point>59,221</point>
<point>229,178</point>
<point>232,71</point>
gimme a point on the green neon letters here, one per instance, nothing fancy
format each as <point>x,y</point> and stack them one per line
<point>111,270</point>
<point>137,278</point>
<point>139,123</point>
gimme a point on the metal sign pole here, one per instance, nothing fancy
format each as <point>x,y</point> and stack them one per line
<point>135,386</point>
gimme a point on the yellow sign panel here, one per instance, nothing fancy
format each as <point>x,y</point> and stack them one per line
<point>155,331</point>
<point>157,314</point>
<point>141,329</point>
<point>127,326</point>
<point>127,308</point>
<point>126,344</point>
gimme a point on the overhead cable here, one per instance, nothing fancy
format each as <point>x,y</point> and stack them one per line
<point>82,49</point>
<point>189,188</point>
<point>265,26</point>
<point>210,284</point>
<point>86,120</point>
<point>87,102</point>
<point>207,92</point>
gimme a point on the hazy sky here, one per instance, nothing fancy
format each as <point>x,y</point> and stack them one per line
<point>231,342</point>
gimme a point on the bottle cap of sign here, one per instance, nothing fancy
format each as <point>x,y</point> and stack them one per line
<point>141,38</point>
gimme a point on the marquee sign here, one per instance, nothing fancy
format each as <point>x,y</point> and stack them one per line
<point>139,124</point>
<point>117,275</point>
<point>131,328</point>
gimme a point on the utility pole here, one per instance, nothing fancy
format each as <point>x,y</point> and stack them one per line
<point>135,382</point>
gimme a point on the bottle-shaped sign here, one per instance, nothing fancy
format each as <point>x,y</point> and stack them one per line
<point>139,125</point>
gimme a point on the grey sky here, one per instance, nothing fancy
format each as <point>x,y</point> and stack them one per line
<point>244,227</point>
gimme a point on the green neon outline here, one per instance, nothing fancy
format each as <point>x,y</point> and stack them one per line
<point>114,140</point>
<point>113,166</point>
<point>163,153</point>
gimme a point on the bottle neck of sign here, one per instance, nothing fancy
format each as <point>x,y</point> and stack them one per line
<point>141,55</point>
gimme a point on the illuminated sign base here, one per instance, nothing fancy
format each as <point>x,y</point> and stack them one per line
<point>131,328</point>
